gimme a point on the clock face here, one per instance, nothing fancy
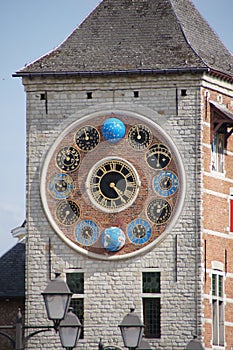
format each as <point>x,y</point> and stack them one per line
<point>67,212</point>
<point>61,186</point>
<point>87,138</point>
<point>158,156</point>
<point>139,136</point>
<point>139,231</point>
<point>68,159</point>
<point>159,211</point>
<point>112,185</point>
<point>87,232</point>
<point>166,183</point>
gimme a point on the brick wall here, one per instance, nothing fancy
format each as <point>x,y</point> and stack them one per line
<point>217,239</point>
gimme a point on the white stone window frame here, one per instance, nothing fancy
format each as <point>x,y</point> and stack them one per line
<point>152,295</point>
<point>218,335</point>
<point>76,296</point>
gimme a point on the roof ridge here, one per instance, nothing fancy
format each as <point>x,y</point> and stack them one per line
<point>185,36</point>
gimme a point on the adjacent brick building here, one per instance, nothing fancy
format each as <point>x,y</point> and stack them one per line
<point>165,183</point>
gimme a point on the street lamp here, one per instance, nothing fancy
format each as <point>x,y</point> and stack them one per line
<point>131,330</point>
<point>57,297</point>
<point>69,330</point>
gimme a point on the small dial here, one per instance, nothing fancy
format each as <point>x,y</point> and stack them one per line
<point>61,186</point>
<point>87,138</point>
<point>68,159</point>
<point>113,185</point>
<point>158,156</point>
<point>87,232</point>
<point>159,211</point>
<point>166,183</point>
<point>139,231</point>
<point>139,137</point>
<point>68,212</point>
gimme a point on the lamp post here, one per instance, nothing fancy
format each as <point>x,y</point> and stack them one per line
<point>57,298</point>
<point>131,330</point>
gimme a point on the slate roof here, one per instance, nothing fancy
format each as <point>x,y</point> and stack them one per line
<point>137,36</point>
<point>12,276</point>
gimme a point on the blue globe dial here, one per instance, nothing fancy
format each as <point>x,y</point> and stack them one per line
<point>113,130</point>
<point>165,183</point>
<point>87,232</point>
<point>139,231</point>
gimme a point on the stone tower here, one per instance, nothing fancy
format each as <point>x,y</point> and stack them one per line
<point>130,177</point>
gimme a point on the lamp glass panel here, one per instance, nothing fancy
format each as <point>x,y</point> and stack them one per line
<point>132,336</point>
<point>69,336</point>
<point>57,306</point>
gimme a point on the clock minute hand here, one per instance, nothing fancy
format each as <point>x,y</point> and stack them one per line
<point>120,194</point>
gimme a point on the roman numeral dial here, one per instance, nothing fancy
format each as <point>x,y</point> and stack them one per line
<point>113,184</point>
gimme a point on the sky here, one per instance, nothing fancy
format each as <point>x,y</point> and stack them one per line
<point>30,29</point>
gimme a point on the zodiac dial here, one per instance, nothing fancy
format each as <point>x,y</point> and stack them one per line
<point>113,184</point>
<point>68,159</point>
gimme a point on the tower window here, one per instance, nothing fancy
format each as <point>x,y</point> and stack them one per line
<point>75,281</point>
<point>217,309</point>
<point>136,94</point>
<point>217,154</point>
<point>151,304</point>
<point>89,95</point>
<point>183,92</point>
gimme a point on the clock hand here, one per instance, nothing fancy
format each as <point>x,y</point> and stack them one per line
<point>160,209</point>
<point>138,133</point>
<point>86,135</point>
<point>87,233</point>
<point>67,213</point>
<point>120,194</point>
<point>158,163</point>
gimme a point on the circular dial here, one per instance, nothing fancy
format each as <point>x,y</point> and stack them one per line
<point>86,232</point>
<point>68,212</point>
<point>112,170</point>
<point>158,156</point>
<point>113,185</point>
<point>61,186</point>
<point>139,137</point>
<point>166,183</point>
<point>139,231</point>
<point>159,211</point>
<point>87,138</point>
<point>68,159</point>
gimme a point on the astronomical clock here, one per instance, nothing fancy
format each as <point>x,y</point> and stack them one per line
<point>112,185</point>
